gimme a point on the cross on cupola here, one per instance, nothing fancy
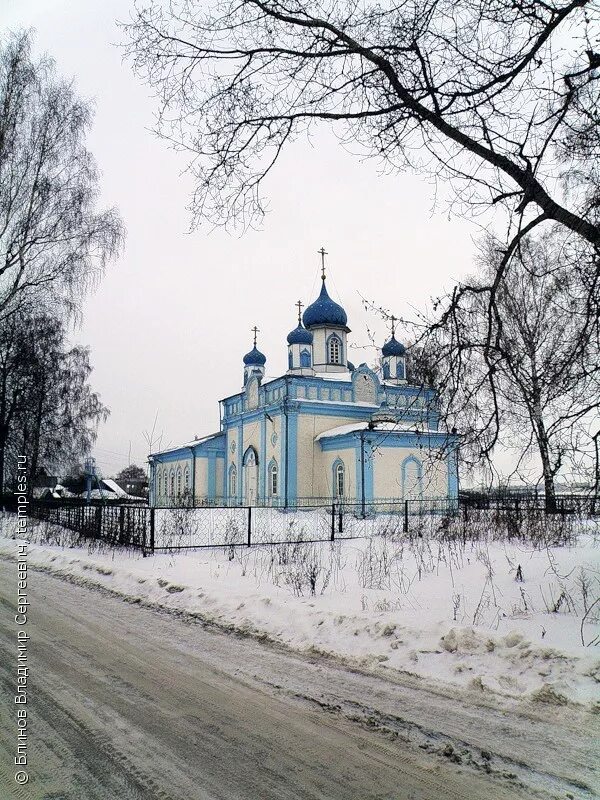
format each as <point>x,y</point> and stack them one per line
<point>322,252</point>
<point>254,361</point>
<point>394,358</point>
<point>300,347</point>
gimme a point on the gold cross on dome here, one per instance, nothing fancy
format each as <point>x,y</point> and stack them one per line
<point>299,305</point>
<point>393,318</point>
<point>255,330</point>
<point>322,252</point>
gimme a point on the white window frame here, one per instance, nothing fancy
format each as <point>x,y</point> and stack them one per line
<point>334,349</point>
<point>340,473</point>
<point>273,479</point>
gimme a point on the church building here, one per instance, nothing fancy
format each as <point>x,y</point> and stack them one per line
<point>324,431</point>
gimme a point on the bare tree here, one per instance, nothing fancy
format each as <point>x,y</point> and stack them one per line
<point>48,410</point>
<point>544,360</point>
<point>498,100</point>
<point>53,240</point>
<point>478,92</point>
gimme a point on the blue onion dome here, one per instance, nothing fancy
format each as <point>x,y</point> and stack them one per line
<point>324,311</point>
<point>393,348</point>
<point>351,366</point>
<point>300,336</point>
<point>255,357</point>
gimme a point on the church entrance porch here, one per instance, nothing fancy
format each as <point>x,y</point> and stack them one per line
<point>250,465</point>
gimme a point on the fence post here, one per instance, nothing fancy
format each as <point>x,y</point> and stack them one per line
<point>340,519</point>
<point>406,516</point>
<point>249,525</point>
<point>99,522</point>
<point>332,521</point>
<point>151,532</point>
<point>121,524</point>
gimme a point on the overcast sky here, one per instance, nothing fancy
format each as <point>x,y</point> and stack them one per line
<point>171,320</point>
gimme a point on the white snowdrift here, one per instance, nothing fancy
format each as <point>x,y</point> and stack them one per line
<point>449,614</point>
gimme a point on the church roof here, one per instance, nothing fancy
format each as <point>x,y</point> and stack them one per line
<point>300,335</point>
<point>187,445</point>
<point>255,357</point>
<point>393,348</point>
<point>376,427</point>
<point>324,311</point>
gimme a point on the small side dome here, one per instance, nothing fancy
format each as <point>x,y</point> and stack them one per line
<point>324,311</point>
<point>393,348</point>
<point>300,336</point>
<point>351,366</point>
<point>255,357</point>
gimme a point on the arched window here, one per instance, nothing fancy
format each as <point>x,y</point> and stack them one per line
<point>172,483</point>
<point>249,478</point>
<point>159,478</point>
<point>178,481</point>
<point>305,358</point>
<point>334,349</point>
<point>250,459</point>
<point>232,481</point>
<point>386,369</point>
<point>290,360</point>
<point>400,368</point>
<point>412,478</point>
<point>186,478</point>
<point>339,479</point>
<point>273,479</point>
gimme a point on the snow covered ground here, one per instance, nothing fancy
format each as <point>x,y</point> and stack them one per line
<point>496,617</point>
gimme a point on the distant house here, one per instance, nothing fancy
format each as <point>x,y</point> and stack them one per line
<point>104,489</point>
<point>108,489</point>
<point>136,487</point>
<point>43,486</point>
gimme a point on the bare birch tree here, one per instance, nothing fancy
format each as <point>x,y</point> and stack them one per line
<point>544,360</point>
<point>53,240</point>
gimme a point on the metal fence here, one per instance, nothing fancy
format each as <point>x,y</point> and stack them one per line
<point>184,527</point>
<point>117,525</point>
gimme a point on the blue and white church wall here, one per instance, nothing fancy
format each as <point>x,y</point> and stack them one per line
<point>191,473</point>
<point>391,462</point>
<point>411,473</point>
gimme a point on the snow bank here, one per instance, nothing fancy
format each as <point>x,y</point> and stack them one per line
<point>486,616</point>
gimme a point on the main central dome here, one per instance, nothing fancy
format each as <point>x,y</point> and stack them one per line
<point>324,312</point>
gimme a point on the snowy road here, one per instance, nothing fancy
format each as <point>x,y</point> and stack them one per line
<point>126,702</point>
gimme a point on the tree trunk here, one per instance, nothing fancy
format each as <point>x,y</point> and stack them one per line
<point>544,449</point>
<point>596,491</point>
<point>35,444</point>
<point>2,460</point>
